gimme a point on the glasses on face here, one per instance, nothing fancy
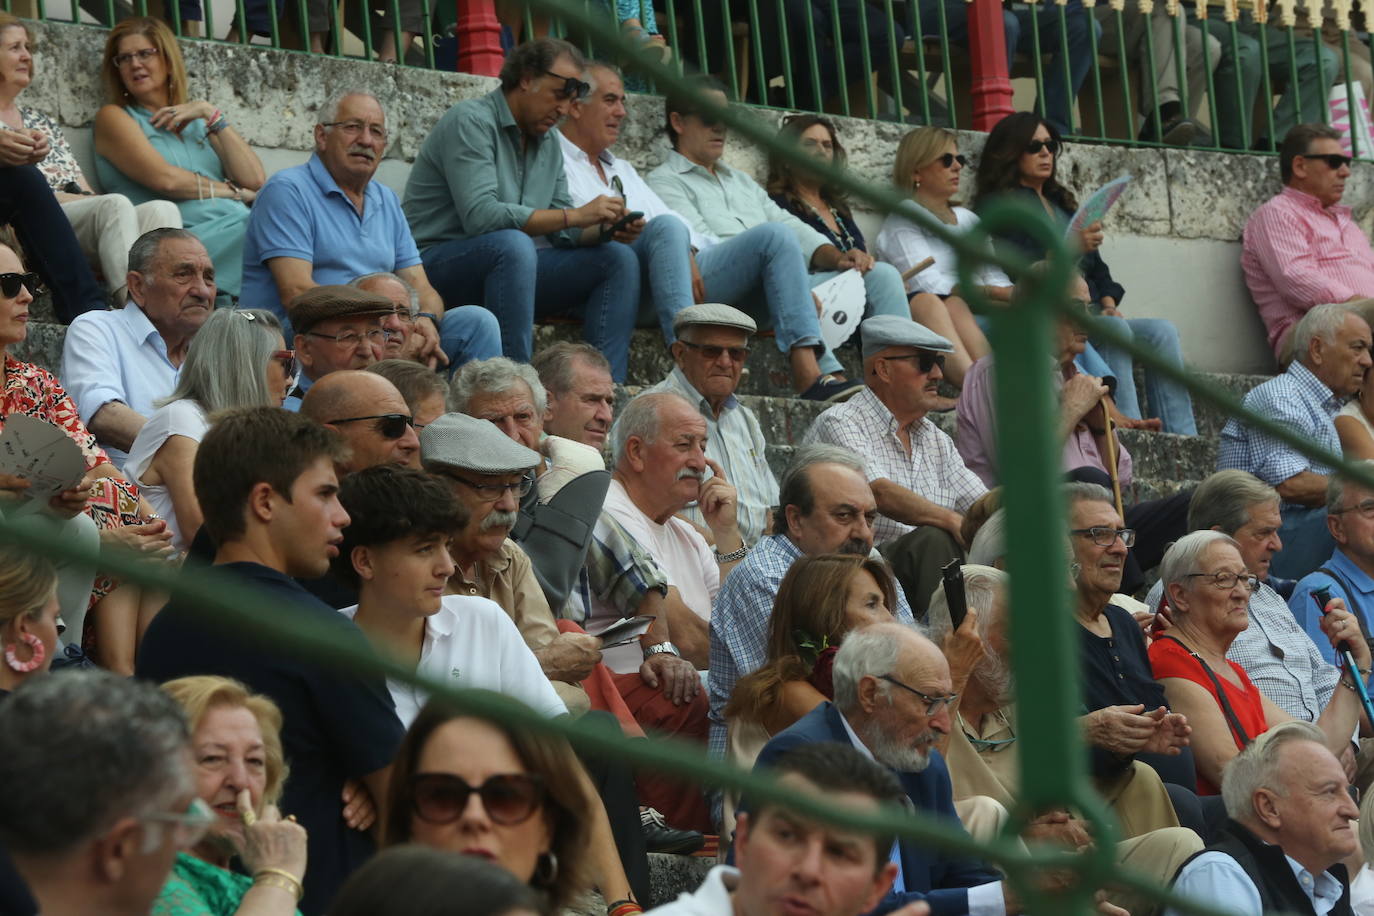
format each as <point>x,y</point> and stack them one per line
<point>1103,536</point>
<point>188,828</point>
<point>933,704</point>
<point>355,127</point>
<point>948,159</point>
<point>141,56</point>
<point>1334,161</point>
<point>10,284</point>
<point>713,353</point>
<point>1227,581</point>
<point>572,88</point>
<point>403,315</point>
<point>1365,508</point>
<point>925,360</point>
<point>509,798</point>
<point>491,492</point>
<point>1035,146</point>
<point>350,339</point>
<point>706,120</point>
<point>287,359</point>
<point>390,425</point>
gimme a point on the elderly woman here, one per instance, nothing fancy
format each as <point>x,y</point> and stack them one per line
<point>153,142</point>
<point>28,616</point>
<point>237,359</point>
<point>240,771</point>
<point>1209,591</point>
<point>105,224</point>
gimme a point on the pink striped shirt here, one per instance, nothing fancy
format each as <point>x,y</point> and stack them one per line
<point>1298,254</point>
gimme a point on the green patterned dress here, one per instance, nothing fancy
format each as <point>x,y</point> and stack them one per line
<point>197,888</point>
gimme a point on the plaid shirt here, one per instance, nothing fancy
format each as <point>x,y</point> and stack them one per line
<point>933,470</point>
<point>617,571</point>
<point>1298,400</point>
<point>739,623</point>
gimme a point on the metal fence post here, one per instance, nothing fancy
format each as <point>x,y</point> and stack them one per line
<point>479,38</point>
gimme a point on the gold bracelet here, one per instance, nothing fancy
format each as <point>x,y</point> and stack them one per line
<point>278,877</point>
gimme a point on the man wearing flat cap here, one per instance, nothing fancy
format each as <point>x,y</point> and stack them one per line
<point>709,352</point>
<point>489,473</point>
<point>337,327</point>
<point>919,481</point>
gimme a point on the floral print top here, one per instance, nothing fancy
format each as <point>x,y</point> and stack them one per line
<point>60,168</point>
<point>35,391</point>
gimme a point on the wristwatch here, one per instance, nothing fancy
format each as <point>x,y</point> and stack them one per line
<point>660,648</point>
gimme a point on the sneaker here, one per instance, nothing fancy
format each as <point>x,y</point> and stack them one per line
<point>831,390</point>
<point>659,837</point>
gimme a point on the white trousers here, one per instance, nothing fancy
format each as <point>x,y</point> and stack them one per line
<point>106,227</point>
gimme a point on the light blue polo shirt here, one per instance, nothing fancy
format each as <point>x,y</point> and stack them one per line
<point>303,213</point>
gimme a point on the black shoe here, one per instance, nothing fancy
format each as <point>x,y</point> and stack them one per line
<point>659,837</point>
<point>831,390</point>
<point>1176,131</point>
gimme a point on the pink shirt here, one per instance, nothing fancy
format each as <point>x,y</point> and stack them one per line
<point>1298,254</point>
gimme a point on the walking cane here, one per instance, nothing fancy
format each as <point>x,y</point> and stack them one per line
<point>1111,462</point>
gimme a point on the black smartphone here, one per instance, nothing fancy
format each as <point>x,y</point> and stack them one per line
<point>953,575</point>
<point>625,221</point>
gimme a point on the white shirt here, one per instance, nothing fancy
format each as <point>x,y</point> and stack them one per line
<point>711,899</point>
<point>182,417</point>
<point>683,555</point>
<point>904,243</point>
<point>472,643</point>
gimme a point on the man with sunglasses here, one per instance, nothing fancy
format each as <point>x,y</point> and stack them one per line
<point>337,327</point>
<point>488,204</point>
<point>1302,247</point>
<point>371,416</point>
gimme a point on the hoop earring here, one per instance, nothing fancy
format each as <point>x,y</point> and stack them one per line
<point>36,655</point>
<point>545,870</point>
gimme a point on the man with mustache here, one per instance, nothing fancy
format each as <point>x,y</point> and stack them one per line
<point>327,222</point>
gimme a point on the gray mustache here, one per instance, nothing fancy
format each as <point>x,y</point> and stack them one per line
<point>499,518</point>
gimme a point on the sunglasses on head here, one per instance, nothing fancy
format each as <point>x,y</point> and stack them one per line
<point>1035,146</point>
<point>509,798</point>
<point>1334,161</point>
<point>390,425</point>
<point>948,159</point>
<point>10,284</point>
<point>573,88</point>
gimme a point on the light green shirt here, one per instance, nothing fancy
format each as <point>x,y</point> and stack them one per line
<point>723,205</point>
<point>473,176</point>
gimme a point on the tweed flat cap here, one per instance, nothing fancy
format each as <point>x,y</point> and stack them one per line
<point>714,313</point>
<point>322,303</point>
<point>461,441</point>
<point>883,331</point>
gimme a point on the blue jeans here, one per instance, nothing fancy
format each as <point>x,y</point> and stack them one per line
<point>1307,542</point>
<point>886,296</point>
<point>1166,398</point>
<point>1057,94</point>
<point>468,332</point>
<point>519,283</point>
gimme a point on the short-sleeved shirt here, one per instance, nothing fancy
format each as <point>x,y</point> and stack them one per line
<point>303,213</point>
<point>1351,584</point>
<point>182,417</point>
<point>903,242</point>
<point>1297,399</point>
<point>337,724</point>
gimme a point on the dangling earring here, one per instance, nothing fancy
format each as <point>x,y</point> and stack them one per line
<point>36,655</point>
<point>545,870</point>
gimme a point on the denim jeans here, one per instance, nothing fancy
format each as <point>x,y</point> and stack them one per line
<point>1166,398</point>
<point>886,296</point>
<point>519,283</point>
<point>468,332</point>
<point>1307,542</point>
<point>1057,94</point>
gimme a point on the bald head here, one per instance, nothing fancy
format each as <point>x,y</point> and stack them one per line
<point>364,407</point>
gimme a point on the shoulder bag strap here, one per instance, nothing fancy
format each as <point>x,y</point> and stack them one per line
<point>1231,718</point>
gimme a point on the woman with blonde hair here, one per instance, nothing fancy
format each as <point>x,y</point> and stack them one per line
<point>928,169</point>
<point>28,616</point>
<point>154,142</point>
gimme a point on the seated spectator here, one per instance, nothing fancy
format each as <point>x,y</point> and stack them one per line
<point>921,485</point>
<point>117,363</point>
<point>337,327</point>
<point>152,141</point>
<point>423,389</point>
<point>28,617</point>
<point>1353,425</point>
<point>328,221</point>
<point>709,353</point>
<point>1209,592</point>
<point>580,393</point>
<point>109,833</point>
<point>679,265</point>
<point>1348,574</point>
<point>1018,163</point>
<point>1302,247</point>
<point>1153,47</point>
<point>28,206</point>
<point>105,225</point>
<point>928,169</point>
<point>1331,355</point>
<point>433,880</point>
<point>1289,830</point>
<point>370,417</point>
<point>720,203</point>
<point>240,772</point>
<point>238,359</point>
<point>265,482</point>
<point>488,203</point>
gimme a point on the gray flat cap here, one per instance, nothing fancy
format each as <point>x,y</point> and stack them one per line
<point>461,441</point>
<point>713,313</point>
<point>883,331</point>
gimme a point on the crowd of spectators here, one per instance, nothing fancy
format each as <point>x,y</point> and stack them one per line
<point>361,442</point>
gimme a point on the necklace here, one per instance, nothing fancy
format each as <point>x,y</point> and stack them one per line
<point>842,237</point>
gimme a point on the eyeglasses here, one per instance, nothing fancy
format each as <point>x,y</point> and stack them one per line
<point>491,492</point>
<point>188,827</point>
<point>403,315</point>
<point>10,284</point>
<point>142,55</point>
<point>572,88</point>
<point>1227,581</point>
<point>707,120</point>
<point>509,798</point>
<point>1334,161</point>
<point>1365,508</point>
<point>351,339</point>
<point>355,127</point>
<point>287,358</point>
<point>933,704</point>
<point>390,425</point>
<point>925,360</point>
<point>712,353</point>
<point>948,159</point>
<point>1103,536</point>
<point>1035,146</point>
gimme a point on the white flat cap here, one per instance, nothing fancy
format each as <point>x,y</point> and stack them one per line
<point>461,441</point>
<point>713,313</point>
<point>883,331</point>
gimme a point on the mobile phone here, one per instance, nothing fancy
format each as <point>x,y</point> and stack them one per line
<point>953,575</point>
<point>625,221</point>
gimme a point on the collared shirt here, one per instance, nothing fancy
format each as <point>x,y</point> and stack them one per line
<point>932,470</point>
<point>1219,880</point>
<point>585,185</point>
<point>722,205</point>
<point>904,243</point>
<point>736,441</point>
<point>1304,609</point>
<point>477,172</point>
<point>116,355</point>
<point>739,623</point>
<point>1297,254</point>
<point>303,213</point>
<point>618,572</point>
<point>1297,399</point>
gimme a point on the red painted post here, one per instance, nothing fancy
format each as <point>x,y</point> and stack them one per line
<point>991,83</point>
<point>479,38</point>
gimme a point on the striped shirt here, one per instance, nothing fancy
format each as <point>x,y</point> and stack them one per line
<point>1300,401</point>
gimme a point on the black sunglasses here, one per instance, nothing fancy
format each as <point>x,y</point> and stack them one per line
<point>925,360</point>
<point>390,425</point>
<point>1334,161</point>
<point>573,88</point>
<point>10,284</point>
<point>712,353</point>
<point>949,159</point>
<point>1035,146</point>
<point>509,798</point>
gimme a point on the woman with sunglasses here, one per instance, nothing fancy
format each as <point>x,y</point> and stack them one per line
<point>1018,163</point>
<point>237,359</point>
<point>805,194</point>
<point>928,169</point>
<point>152,141</point>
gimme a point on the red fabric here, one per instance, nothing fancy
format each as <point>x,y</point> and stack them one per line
<point>602,691</point>
<point>1169,659</point>
<point>681,803</point>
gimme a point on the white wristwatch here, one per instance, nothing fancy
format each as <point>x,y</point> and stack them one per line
<point>660,648</point>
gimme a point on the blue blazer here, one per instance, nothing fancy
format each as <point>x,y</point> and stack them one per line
<point>939,879</point>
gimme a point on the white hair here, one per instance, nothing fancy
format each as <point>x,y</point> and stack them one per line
<point>1257,767</point>
<point>1183,556</point>
<point>1322,321</point>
